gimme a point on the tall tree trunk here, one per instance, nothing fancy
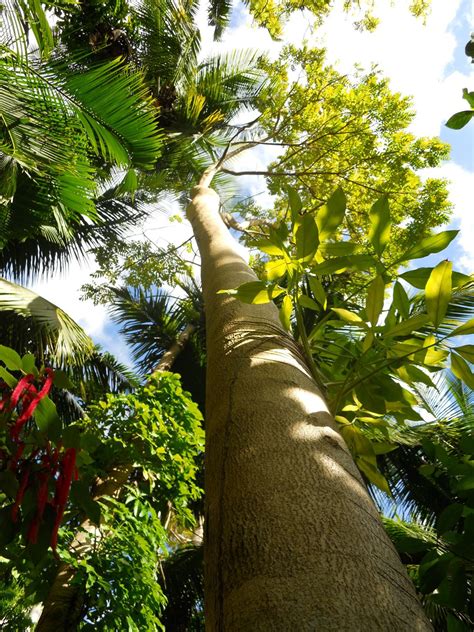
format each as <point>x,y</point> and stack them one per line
<point>63,604</point>
<point>293,542</point>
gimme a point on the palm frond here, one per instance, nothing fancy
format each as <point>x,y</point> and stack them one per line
<point>56,335</point>
<point>44,251</point>
<point>183,584</point>
<point>169,43</point>
<point>148,323</point>
<point>219,16</point>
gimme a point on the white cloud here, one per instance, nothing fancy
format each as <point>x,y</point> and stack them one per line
<point>460,194</point>
<point>413,56</point>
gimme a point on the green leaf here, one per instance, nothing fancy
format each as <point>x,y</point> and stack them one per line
<point>401,300</point>
<point>8,377</point>
<point>306,301</point>
<point>449,517</point>
<point>467,352</point>
<point>460,119</point>
<point>8,483</point>
<point>61,379</point>
<point>338,249</point>
<point>412,374</point>
<point>461,369</point>
<point>383,447</point>
<point>463,330</point>
<point>346,315</point>
<point>357,442</point>
<point>373,474</point>
<point>455,625</point>
<point>419,277</point>
<point>306,238</point>
<point>275,269</point>
<point>38,23</point>
<point>295,203</point>
<point>28,363</point>
<point>374,300</point>
<point>430,245</point>
<point>341,264</point>
<point>71,436</point>
<point>81,496</point>
<point>9,528</point>
<point>285,312</point>
<point>438,292</point>
<point>330,216</point>
<point>254,292</point>
<point>317,290</point>
<point>11,358</point>
<point>379,233</point>
<point>47,418</point>
<point>407,326</point>
<point>469,96</point>
<point>270,248</point>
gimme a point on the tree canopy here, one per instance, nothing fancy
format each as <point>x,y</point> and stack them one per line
<point>101,467</point>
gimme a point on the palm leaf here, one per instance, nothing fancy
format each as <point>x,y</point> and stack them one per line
<point>183,585</point>
<point>169,44</point>
<point>219,15</point>
<point>55,334</point>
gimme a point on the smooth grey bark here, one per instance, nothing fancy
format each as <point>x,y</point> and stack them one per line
<point>293,541</point>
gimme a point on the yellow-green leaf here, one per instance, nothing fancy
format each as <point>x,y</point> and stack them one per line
<point>420,276</point>
<point>254,292</point>
<point>407,326</point>
<point>374,301</point>
<point>318,291</point>
<point>373,474</point>
<point>275,269</point>
<point>330,216</point>
<point>465,329</point>
<point>379,233</point>
<point>285,312</point>
<point>306,238</point>
<point>438,292</point>
<point>430,245</point>
<point>461,369</point>
<point>346,315</point>
<point>306,301</point>
<point>357,442</point>
<point>401,300</point>
<point>295,204</point>
<point>269,248</point>
<point>432,356</point>
<point>467,352</point>
<point>368,341</point>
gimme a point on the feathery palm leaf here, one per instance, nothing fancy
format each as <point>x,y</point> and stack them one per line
<point>169,45</point>
<point>183,584</point>
<point>219,16</point>
<point>46,251</point>
<point>452,406</point>
<point>148,322</point>
<point>44,325</point>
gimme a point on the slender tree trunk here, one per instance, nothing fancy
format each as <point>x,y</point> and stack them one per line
<point>63,605</point>
<point>293,542</point>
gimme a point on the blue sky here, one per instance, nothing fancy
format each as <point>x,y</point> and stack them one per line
<point>427,62</point>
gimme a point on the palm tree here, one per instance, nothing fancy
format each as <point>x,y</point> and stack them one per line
<point>424,473</point>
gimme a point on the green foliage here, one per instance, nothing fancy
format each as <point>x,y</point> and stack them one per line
<point>460,119</point>
<point>120,575</point>
<point>157,431</point>
<point>349,133</point>
<point>158,428</point>
<point>361,353</point>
